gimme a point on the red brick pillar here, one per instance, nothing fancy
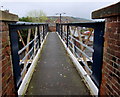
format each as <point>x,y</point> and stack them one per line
<point>110,84</point>
<point>6,71</point>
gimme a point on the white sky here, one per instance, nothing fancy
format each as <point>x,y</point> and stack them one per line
<point>78,8</point>
<point>59,0</point>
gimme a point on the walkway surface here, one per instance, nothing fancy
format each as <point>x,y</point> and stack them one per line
<point>55,74</point>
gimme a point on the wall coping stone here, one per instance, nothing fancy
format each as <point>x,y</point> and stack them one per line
<point>112,10</point>
<point>6,16</point>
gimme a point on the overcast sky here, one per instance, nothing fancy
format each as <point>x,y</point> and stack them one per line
<point>77,8</point>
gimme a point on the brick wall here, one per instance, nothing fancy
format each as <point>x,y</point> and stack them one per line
<point>6,70</point>
<point>111,59</point>
<point>52,29</point>
<point>7,73</point>
<point>110,84</point>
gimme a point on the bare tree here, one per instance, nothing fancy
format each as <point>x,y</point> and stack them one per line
<point>37,16</point>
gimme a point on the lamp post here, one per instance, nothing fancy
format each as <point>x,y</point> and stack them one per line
<point>60,22</point>
<point>60,15</point>
<point>1,8</point>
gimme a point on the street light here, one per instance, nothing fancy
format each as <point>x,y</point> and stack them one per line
<point>60,15</point>
<point>1,7</point>
<point>60,22</point>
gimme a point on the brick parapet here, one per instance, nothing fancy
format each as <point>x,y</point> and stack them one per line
<point>110,11</point>
<point>110,83</point>
<point>6,70</point>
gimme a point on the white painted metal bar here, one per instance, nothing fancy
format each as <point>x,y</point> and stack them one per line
<point>81,51</point>
<point>37,42</point>
<point>85,64</point>
<point>65,37</point>
<point>84,54</point>
<point>27,54</point>
<point>65,40</point>
<point>26,65</point>
<point>70,47</point>
<point>89,48</point>
<point>20,51</point>
<point>19,81</point>
<point>65,32</point>
<point>73,49</point>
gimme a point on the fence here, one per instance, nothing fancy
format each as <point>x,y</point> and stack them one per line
<point>85,40</point>
<point>26,39</point>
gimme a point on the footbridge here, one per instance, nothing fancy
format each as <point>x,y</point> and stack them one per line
<point>76,59</point>
<point>65,62</point>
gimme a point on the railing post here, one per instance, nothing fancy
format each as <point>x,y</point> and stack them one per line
<point>67,34</point>
<point>56,27</point>
<point>15,57</point>
<point>98,53</point>
<point>43,32</point>
<point>46,28</point>
<point>61,30</point>
<point>39,36</point>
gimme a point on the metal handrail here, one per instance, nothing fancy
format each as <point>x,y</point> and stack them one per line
<point>96,51</point>
<point>20,51</point>
<point>85,64</point>
<point>89,48</point>
<point>81,51</point>
<point>40,30</point>
<point>27,53</point>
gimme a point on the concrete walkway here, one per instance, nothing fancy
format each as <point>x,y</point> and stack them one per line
<point>55,74</point>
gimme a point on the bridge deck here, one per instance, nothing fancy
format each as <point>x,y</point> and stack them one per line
<point>55,74</point>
